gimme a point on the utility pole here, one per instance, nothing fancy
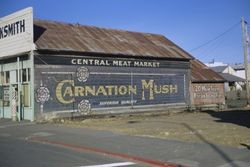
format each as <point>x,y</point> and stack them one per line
<point>245,47</point>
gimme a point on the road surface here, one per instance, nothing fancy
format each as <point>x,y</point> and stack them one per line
<point>28,144</point>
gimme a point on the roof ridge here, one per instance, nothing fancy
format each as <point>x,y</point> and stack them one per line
<point>146,42</point>
<point>93,26</point>
<point>85,38</point>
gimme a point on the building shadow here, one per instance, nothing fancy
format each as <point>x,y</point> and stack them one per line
<point>245,145</point>
<point>239,117</point>
<point>220,152</point>
<point>38,31</point>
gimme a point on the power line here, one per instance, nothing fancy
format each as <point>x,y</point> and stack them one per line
<point>211,40</point>
<point>214,46</point>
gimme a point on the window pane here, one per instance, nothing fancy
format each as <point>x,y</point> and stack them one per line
<point>7,77</point>
<point>28,71</point>
<point>24,75</point>
<point>17,75</point>
<point>6,96</point>
<point>2,77</point>
<point>1,96</point>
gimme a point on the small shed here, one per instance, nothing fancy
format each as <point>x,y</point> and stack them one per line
<point>207,86</point>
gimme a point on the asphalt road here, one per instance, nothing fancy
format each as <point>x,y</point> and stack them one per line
<point>29,144</point>
<point>20,153</point>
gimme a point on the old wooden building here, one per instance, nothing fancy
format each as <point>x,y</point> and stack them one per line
<point>50,67</point>
<point>207,88</point>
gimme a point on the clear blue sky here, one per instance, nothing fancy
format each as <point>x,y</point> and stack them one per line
<point>188,23</point>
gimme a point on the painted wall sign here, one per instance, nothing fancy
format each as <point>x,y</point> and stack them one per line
<point>208,93</point>
<point>111,62</point>
<point>12,29</point>
<point>84,88</point>
<point>144,89</point>
<point>16,32</point>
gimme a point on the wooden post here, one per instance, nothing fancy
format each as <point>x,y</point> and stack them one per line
<point>245,48</point>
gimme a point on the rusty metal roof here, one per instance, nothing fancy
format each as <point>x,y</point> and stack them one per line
<point>57,36</point>
<point>50,35</point>
<point>201,73</point>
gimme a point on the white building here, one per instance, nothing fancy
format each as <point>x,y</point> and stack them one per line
<point>234,82</point>
<point>215,64</point>
<point>240,70</point>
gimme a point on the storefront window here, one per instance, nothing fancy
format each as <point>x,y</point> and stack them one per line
<point>26,75</point>
<point>5,96</point>
<point>1,96</point>
<point>7,77</point>
<point>1,77</point>
<point>16,76</point>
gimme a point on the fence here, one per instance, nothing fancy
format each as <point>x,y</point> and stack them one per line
<point>236,99</point>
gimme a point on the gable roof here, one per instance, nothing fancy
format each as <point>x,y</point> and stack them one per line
<point>57,36</point>
<point>219,69</point>
<point>238,66</point>
<point>201,73</point>
<point>232,78</point>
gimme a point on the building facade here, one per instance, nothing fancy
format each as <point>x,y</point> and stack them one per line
<point>87,84</point>
<point>49,68</point>
<point>207,88</point>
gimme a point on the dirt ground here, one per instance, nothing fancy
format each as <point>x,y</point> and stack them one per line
<point>231,128</point>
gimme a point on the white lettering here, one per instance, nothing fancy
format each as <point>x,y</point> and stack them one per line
<point>118,63</point>
<point>104,103</point>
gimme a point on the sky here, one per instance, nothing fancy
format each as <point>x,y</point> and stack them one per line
<point>188,23</point>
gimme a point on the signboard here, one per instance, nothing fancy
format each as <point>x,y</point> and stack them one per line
<point>85,88</point>
<point>16,33</point>
<point>110,62</point>
<point>212,93</point>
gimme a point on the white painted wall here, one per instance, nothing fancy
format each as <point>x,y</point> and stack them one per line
<point>17,42</point>
<point>215,64</point>
<point>240,73</point>
<point>229,70</point>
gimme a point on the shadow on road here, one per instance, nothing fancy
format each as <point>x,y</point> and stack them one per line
<point>245,145</point>
<point>239,117</point>
<point>213,146</point>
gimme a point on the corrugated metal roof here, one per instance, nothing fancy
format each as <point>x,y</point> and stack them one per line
<point>57,36</point>
<point>218,68</point>
<point>232,78</point>
<point>201,73</point>
<point>50,35</point>
<point>238,66</point>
